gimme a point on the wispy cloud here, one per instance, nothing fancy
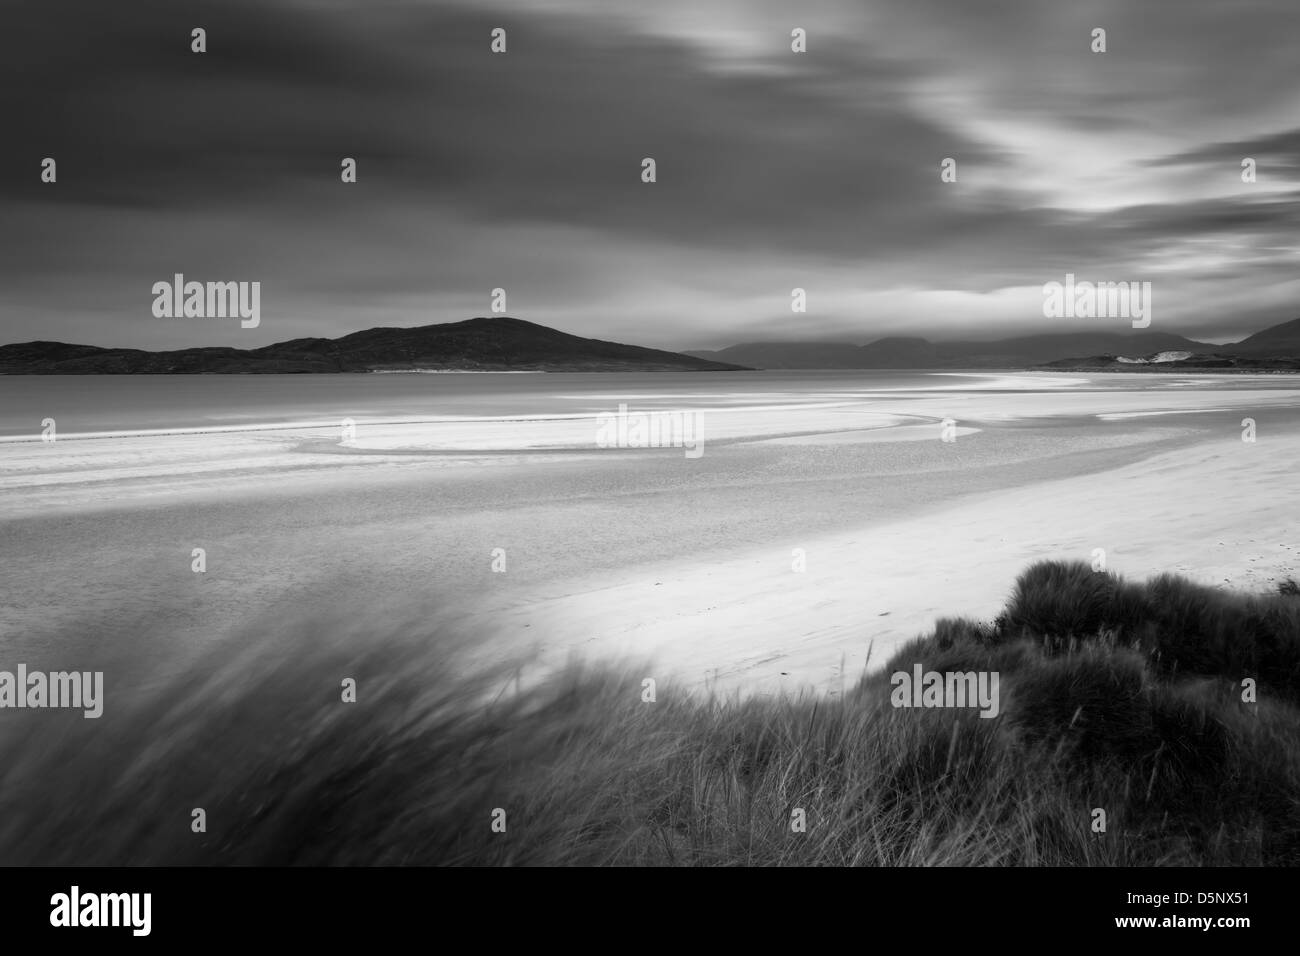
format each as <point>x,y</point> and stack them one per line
<point>775,169</point>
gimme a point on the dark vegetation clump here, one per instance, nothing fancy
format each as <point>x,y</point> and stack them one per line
<point>1171,708</point>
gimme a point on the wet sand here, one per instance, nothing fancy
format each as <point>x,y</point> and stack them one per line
<point>644,553</point>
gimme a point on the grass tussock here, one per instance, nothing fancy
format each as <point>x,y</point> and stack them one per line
<point>1115,696</point>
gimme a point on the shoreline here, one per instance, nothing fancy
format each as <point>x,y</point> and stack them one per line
<point>636,553</point>
<point>750,623</point>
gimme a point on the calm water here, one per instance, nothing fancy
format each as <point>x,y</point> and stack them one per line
<point>98,403</point>
<point>93,403</point>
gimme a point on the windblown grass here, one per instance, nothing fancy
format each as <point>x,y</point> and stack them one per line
<point>1119,696</point>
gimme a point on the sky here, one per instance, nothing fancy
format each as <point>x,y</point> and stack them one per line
<point>522,170</point>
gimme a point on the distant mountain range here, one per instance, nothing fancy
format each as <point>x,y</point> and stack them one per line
<point>1274,348</point>
<point>481,345</point>
<point>505,344</point>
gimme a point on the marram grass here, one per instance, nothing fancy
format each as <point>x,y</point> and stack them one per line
<point>1117,696</point>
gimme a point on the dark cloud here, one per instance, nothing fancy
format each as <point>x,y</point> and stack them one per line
<point>523,170</point>
<point>1279,150</point>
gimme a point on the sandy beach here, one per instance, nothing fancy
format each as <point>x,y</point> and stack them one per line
<point>819,528</point>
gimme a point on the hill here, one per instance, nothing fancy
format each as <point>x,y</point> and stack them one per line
<point>908,352</point>
<point>1270,343</point>
<point>1276,348</point>
<point>480,344</point>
